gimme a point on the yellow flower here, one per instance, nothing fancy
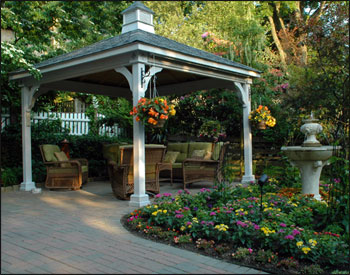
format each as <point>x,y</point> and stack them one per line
<point>164,211</point>
<point>312,242</point>
<point>155,206</point>
<point>306,249</point>
<point>182,228</point>
<point>299,244</point>
<point>155,213</point>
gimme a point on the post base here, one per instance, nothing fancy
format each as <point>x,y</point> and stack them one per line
<point>139,200</point>
<point>248,179</point>
<point>27,186</point>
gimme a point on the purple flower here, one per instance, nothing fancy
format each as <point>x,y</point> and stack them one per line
<point>228,212</point>
<point>182,98</point>
<point>203,222</point>
<point>211,223</point>
<point>295,232</point>
<point>337,180</point>
<point>285,86</point>
<point>186,208</point>
<point>195,208</point>
<point>204,35</point>
<point>252,211</point>
<point>178,211</point>
<point>167,194</point>
<point>242,224</point>
<point>256,227</point>
<point>212,214</point>
<point>180,191</point>
<point>289,237</point>
<point>188,223</point>
<point>283,224</point>
<point>179,216</point>
<point>281,231</point>
<point>187,192</point>
<point>250,206</point>
<point>210,205</point>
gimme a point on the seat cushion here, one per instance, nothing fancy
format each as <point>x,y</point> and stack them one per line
<point>49,151</point>
<point>84,168</point>
<point>206,146</point>
<point>61,156</point>
<point>198,154</point>
<point>171,156</point>
<point>216,151</point>
<point>179,147</point>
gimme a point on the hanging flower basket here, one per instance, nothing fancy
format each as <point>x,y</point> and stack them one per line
<point>261,117</point>
<point>153,111</point>
<point>160,124</point>
<point>261,125</point>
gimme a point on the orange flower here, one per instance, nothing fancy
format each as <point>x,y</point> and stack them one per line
<point>152,121</point>
<point>137,118</point>
<point>156,101</point>
<point>152,112</point>
<point>163,117</point>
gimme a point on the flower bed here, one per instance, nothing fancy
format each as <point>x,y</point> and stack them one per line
<point>287,233</point>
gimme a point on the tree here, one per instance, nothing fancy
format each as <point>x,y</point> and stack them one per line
<point>43,29</point>
<point>288,22</point>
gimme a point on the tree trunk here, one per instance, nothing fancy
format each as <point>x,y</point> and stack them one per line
<point>277,41</point>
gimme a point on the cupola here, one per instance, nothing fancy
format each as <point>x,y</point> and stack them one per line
<point>137,17</point>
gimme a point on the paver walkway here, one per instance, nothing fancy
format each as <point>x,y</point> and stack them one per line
<point>80,232</point>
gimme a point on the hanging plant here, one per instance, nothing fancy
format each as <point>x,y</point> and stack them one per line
<point>212,129</point>
<point>153,111</point>
<point>261,117</point>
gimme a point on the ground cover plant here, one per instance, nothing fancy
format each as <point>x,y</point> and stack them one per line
<point>285,232</point>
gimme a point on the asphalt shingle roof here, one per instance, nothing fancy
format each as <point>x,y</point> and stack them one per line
<point>143,37</point>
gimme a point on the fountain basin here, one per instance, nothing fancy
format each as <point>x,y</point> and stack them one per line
<point>297,153</point>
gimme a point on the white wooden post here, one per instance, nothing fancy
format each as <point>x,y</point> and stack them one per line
<point>27,103</point>
<point>139,198</point>
<point>244,94</point>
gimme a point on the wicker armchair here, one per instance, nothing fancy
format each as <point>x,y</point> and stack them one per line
<point>67,173</point>
<point>195,170</point>
<point>122,177</point>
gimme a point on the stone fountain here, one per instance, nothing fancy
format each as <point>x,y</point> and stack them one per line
<point>310,157</point>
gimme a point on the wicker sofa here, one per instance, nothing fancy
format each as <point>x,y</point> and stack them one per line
<point>190,167</point>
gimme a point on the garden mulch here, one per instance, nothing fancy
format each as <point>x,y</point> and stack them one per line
<point>80,232</point>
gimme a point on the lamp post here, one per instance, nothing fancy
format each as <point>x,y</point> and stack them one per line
<point>262,180</point>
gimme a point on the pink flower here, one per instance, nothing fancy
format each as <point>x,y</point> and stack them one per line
<point>250,250</point>
<point>158,195</point>
<point>212,214</point>
<point>204,35</point>
<point>186,208</point>
<point>242,224</point>
<point>179,216</point>
<point>295,232</point>
<point>283,225</point>
<point>256,227</point>
<point>289,237</point>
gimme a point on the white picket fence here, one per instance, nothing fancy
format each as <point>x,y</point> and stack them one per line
<point>77,123</point>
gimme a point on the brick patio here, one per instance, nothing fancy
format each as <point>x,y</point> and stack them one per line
<point>80,232</point>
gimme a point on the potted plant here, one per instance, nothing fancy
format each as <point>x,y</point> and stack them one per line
<point>261,117</point>
<point>153,111</point>
<point>212,129</point>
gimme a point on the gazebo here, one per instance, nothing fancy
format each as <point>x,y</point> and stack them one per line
<point>122,66</point>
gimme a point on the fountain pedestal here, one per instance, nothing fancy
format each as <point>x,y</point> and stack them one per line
<point>310,157</point>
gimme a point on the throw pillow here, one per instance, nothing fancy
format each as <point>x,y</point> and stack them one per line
<point>208,155</point>
<point>171,156</point>
<point>198,154</point>
<point>61,156</point>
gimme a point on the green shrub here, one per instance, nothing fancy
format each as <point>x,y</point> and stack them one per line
<point>11,176</point>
